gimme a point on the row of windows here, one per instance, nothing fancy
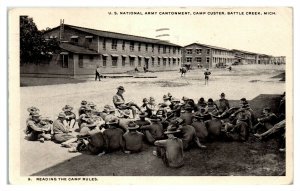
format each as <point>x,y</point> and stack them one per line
<point>197,51</point>
<point>197,59</point>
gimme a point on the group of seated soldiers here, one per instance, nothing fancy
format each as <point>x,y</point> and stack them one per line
<point>173,126</point>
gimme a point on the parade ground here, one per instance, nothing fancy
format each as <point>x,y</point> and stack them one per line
<point>257,83</point>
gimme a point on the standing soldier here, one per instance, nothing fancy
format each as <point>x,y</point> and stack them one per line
<point>223,104</point>
<point>206,75</point>
<point>98,73</point>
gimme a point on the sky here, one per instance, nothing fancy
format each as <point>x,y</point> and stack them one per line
<point>265,34</point>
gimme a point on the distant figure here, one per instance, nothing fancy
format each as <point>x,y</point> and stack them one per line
<point>183,70</point>
<point>136,69</point>
<point>229,68</point>
<point>206,76</point>
<point>98,74</point>
<point>145,69</point>
<point>198,65</point>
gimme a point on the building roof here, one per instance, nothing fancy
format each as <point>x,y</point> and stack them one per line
<point>116,35</point>
<point>209,46</point>
<point>243,51</point>
<point>76,49</point>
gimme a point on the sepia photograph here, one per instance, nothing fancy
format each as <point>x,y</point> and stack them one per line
<point>196,92</point>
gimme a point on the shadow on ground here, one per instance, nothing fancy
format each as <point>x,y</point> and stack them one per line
<point>252,158</point>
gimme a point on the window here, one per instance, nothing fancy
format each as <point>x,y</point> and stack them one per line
<point>74,40</point>
<point>80,61</point>
<point>146,47</point>
<point>123,61</point>
<point>164,61</point>
<point>169,61</point>
<point>152,47</point>
<point>104,44</point>
<point>153,61</point>
<point>139,47</point>
<point>158,48</point>
<point>158,62</point>
<point>174,50</point>
<point>207,51</point>
<point>91,58</point>
<point>189,51</point>
<point>207,60</point>
<point>198,59</point>
<point>131,61</point>
<point>104,61</point>
<point>114,61</point>
<point>178,61</point>
<point>198,51</point>
<point>131,46</point>
<point>123,45</point>
<point>174,61</point>
<point>169,49</point>
<point>164,49</point>
<point>114,44</point>
<point>188,59</point>
<point>65,61</point>
<point>140,61</point>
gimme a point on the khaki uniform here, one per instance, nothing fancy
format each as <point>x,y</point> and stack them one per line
<point>36,130</point>
<point>133,141</point>
<point>153,132</point>
<point>171,152</point>
<point>60,132</point>
<point>113,137</point>
<point>188,135</point>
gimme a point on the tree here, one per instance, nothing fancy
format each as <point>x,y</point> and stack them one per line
<point>33,47</point>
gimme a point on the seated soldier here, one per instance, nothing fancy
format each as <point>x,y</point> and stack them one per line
<point>199,125</point>
<point>111,115</point>
<point>223,104</point>
<point>277,128</point>
<point>169,96</point>
<point>113,136</point>
<point>240,130</point>
<point>145,107</point>
<point>70,116</point>
<point>267,120</point>
<point>186,114</point>
<point>152,105</point>
<point>119,102</point>
<point>176,106</point>
<point>142,121</point>
<point>211,107</point>
<point>82,107</point>
<point>90,120</point>
<point>154,131</point>
<point>105,112</point>
<point>201,103</point>
<point>166,100</point>
<point>93,108</point>
<point>132,139</point>
<point>125,120</point>
<point>189,137</point>
<point>61,129</point>
<point>170,150</point>
<point>36,128</point>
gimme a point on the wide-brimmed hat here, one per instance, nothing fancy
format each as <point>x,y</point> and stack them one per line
<point>83,102</point>
<point>61,115</point>
<point>113,121</point>
<point>121,88</point>
<point>151,99</point>
<point>67,108</point>
<point>88,108</point>
<point>154,118</point>
<point>126,113</point>
<point>32,109</point>
<point>165,97</point>
<point>169,95</point>
<point>132,125</point>
<point>145,100</point>
<point>222,94</point>
<point>91,104</point>
<point>143,114</point>
<point>112,109</point>
<point>35,114</point>
<point>171,130</point>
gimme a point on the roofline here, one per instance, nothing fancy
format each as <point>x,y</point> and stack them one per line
<point>158,41</point>
<point>210,46</point>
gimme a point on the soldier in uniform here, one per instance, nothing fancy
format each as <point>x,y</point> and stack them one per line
<point>206,75</point>
<point>212,107</point>
<point>146,108</point>
<point>113,136</point>
<point>199,125</point>
<point>125,120</point>
<point>142,121</point>
<point>223,104</point>
<point>267,120</point>
<point>37,129</point>
<point>132,139</point>
<point>170,150</point>
<point>186,114</point>
<point>154,131</point>
<point>201,104</point>
<point>70,116</point>
<point>61,129</point>
<point>82,107</point>
<point>119,102</point>
<point>98,73</point>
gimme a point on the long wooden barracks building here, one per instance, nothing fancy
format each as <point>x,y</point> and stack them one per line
<point>83,49</point>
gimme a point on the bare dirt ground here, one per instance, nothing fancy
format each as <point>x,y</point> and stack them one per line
<point>243,159</point>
